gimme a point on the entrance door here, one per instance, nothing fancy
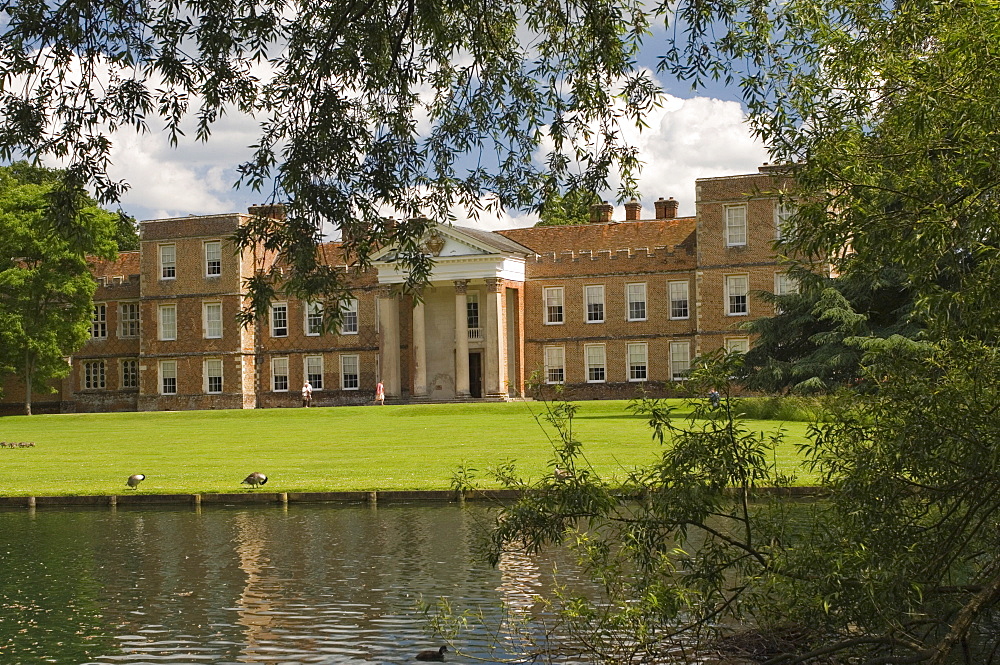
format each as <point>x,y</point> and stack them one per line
<point>476,374</point>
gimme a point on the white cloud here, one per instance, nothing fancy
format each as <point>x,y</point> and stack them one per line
<point>689,139</point>
<point>191,179</point>
<point>495,220</point>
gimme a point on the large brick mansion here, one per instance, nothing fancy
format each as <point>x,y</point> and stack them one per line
<point>599,307</point>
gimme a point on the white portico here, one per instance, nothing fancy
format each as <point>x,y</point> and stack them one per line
<point>462,338</point>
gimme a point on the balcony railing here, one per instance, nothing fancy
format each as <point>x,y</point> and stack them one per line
<point>475,334</point>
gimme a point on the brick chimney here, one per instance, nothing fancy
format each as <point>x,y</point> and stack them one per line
<point>632,210</point>
<point>600,213</point>
<point>666,208</point>
<point>275,211</point>
<point>777,168</point>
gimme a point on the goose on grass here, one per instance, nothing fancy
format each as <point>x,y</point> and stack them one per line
<point>255,479</point>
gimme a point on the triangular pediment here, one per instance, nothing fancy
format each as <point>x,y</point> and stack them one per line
<point>455,241</point>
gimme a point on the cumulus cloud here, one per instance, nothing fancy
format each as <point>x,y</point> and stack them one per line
<point>495,219</point>
<point>688,139</point>
<point>190,179</point>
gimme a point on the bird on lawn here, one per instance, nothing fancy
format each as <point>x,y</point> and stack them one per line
<point>255,479</point>
<point>134,480</point>
<point>431,654</point>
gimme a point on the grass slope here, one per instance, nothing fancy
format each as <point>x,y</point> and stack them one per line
<point>319,449</point>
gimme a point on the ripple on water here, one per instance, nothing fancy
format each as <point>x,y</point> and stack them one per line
<point>310,585</point>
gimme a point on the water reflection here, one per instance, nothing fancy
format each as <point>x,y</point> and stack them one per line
<point>310,584</point>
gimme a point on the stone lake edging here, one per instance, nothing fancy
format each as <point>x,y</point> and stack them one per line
<point>284,498</point>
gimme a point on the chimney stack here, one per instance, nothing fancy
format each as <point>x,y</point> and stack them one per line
<point>275,211</point>
<point>600,213</point>
<point>666,208</point>
<point>632,210</point>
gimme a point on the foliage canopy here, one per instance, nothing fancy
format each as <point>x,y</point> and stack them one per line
<point>46,287</point>
<point>814,342</point>
<point>573,207</point>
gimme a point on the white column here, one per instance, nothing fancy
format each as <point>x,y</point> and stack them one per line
<point>461,339</point>
<point>419,350</point>
<point>495,333</point>
<point>388,346</point>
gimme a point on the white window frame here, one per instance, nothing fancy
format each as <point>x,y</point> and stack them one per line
<point>633,352</point>
<point>128,369</point>
<point>555,360</point>
<point>593,295</point>
<point>213,258</point>
<point>208,322</point>
<point>167,326</point>
<point>316,385</point>
<point>731,292</point>
<point>349,319</point>
<point>785,284</point>
<point>736,225</point>
<point>276,363</point>
<point>680,360</point>
<point>784,211</point>
<point>94,375</point>
<point>589,362</point>
<point>99,321</point>
<point>739,344</point>
<point>674,312</point>
<point>552,297</point>
<point>210,365</point>
<point>167,370</point>
<point>344,361</point>
<point>168,264</point>
<point>632,293</point>
<point>125,322</point>
<point>276,330</point>
<point>312,321</point>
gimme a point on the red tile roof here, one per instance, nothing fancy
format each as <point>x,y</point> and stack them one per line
<point>126,264</point>
<point>596,237</point>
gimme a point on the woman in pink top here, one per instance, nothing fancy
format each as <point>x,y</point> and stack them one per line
<point>380,393</point>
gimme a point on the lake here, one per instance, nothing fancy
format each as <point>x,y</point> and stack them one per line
<point>301,584</point>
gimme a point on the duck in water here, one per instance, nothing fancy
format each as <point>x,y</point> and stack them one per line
<point>432,654</point>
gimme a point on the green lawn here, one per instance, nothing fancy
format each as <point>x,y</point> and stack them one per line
<point>319,449</point>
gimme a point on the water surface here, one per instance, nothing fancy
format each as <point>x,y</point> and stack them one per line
<point>300,584</point>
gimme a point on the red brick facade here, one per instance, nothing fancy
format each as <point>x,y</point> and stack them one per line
<point>602,308</point>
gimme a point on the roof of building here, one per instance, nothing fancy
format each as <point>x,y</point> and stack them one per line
<point>495,239</point>
<point>332,253</point>
<point>596,237</point>
<point>126,264</point>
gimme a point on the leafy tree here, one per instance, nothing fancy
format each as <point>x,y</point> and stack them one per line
<point>677,549</point>
<point>900,140</point>
<point>814,341</point>
<point>571,208</point>
<point>127,230</point>
<point>366,110</point>
<point>692,556</point>
<point>46,288</point>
